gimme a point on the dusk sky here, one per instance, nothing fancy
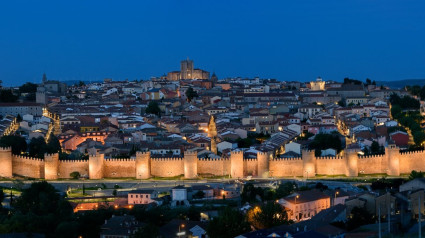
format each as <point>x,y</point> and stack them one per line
<point>288,40</point>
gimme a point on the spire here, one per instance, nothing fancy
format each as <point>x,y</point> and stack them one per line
<point>44,78</point>
<point>212,129</point>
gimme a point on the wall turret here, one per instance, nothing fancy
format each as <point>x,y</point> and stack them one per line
<point>236,164</point>
<point>190,163</point>
<point>309,163</point>
<point>263,164</point>
<point>96,166</point>
<point>143,165</point>
<point>51,166</point>
<point>351,159</point>
<point>393,160</point>
<point>6,162</point>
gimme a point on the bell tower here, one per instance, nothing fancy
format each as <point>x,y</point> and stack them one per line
<point>212,133</point>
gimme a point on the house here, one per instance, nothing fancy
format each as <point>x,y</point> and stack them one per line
<point>305,204</point>
<point>294,147</point>
<point>414,184</point>
<point>206,189</point>
<point>226,145</point>
<point>142,196</point>
<point>400,138</point>
<point>179,196</point>
<point>184,229</point>
<point>120,226</point>
<point>266,127</point>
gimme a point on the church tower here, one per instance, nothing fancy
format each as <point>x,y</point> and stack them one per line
<point>212,133</point>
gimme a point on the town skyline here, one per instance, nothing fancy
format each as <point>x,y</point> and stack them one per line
<point>380,40</point>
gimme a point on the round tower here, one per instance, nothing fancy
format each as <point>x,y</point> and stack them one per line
<point>6,162</point>
<point>392,153</point>
<point>96,163</point>
<point>351,159</point>
<point>236,164</point>
<point>309,163</point>
<point>143,165</point>
<point>190,162</point>
<point>263,164</point>
<point>51,166</point>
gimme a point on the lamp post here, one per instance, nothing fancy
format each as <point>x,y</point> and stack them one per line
<point>295,207</point>
<point>336,193</point>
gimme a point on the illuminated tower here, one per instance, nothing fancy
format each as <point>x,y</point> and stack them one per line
<point>212,133</point>
<point>186,69</point>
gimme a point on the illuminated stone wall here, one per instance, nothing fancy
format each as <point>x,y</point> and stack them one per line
<point>143,166</point>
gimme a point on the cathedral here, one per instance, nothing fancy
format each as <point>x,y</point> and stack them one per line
<point>187,71</point>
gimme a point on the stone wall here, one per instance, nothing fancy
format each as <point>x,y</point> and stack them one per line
<point>330,165</point>
<point>66,167</point>
<point>119,168</point>
<point>215,167</point>
<point>167,167</point>
<point>286,167</point>
<point>27,166</point>
<point>250,167</point>
<point>393,163</point>
<point>6,162</point>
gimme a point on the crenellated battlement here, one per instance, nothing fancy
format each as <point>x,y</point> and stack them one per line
<point>236,152</point>
<point>290,158</point>
<point>74,161</point>
<point>144,165</point>
<point>140,153</point>
<point>250,159</point>
<point>371,156</point>
<point>167,159</point>
<point>119,159</point>
<point>412,152</point>
<point>23,157</point>
<point>6,149</point>
<point>330,158</point>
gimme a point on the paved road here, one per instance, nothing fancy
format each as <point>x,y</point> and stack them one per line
<point>166,185</point>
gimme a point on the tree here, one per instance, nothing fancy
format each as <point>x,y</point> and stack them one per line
<point>40,198</point>
<point>359,216</point>
<point>6,95</point>
<point>267,215</point>
<point>81,83</point>
<point>1,197</point>
<point>17,143</point>
<point>375,148</point>
<point>75,175</point>
<point>147,231</point>
<point>53,146</point>
<point>28,88</point>
<point>325,141</point>
<point>415,174</point>
<point>198,195</point>
<point>114,193</point>
<point>19,118</point>
<point>230,223</point>
<point>153,108</point>
<point>285,189</point>
<point>418,137</point>
<point>37,147</point>
<point>190,94</point>
<point>251,193</point>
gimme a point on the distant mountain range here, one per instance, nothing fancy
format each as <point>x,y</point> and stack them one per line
<point>402,83</point>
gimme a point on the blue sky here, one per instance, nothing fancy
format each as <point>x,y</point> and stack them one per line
<point>288,40</point>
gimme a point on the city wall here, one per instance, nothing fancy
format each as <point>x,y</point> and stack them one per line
<point>143,166</point>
